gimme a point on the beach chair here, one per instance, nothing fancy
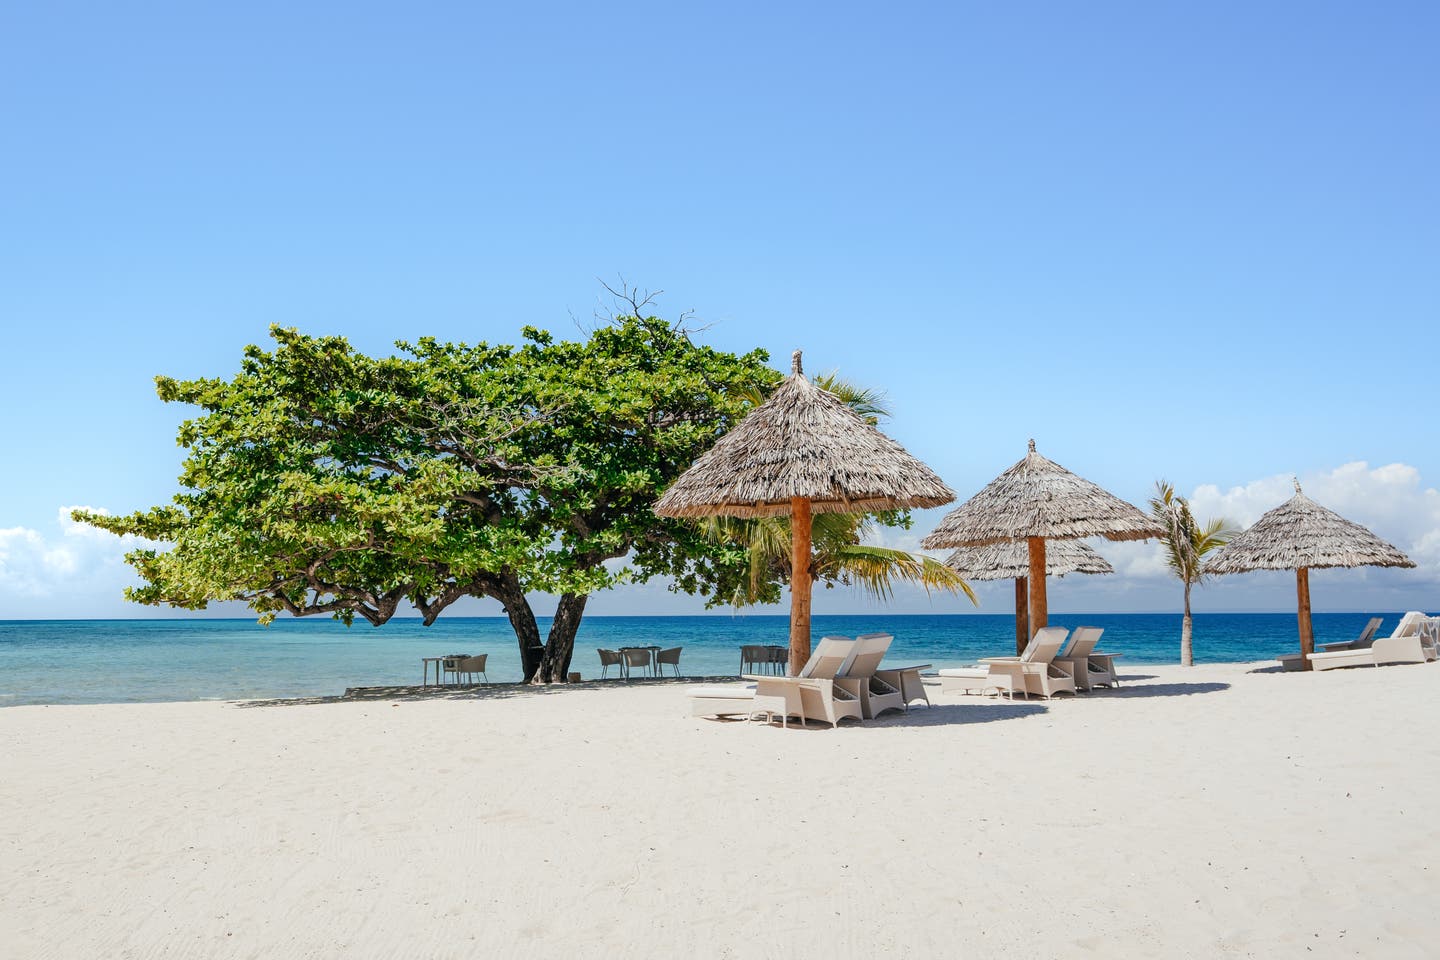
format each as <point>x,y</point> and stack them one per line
<point>469,666</point>
<point>640,657</point>
<point>751,656</point>
<point>819,697</point>
<point>670,658</point>
<point>608,659</point>
<point>1005,675</point>
<point>1367,637</point>
<point>815,698</point>
<point>1429,633</point>
<point>1402,646</point>
<point>859,676</point>
<point>1090,667</point>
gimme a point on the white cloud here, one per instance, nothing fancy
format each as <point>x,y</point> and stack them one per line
<point>1389,500</point>
<point>72,560</point>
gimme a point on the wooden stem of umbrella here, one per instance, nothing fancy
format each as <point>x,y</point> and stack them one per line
<point>1022,614</point>
<point>1038,615</point>
<point>799,583</point>
<point>1307,635</point>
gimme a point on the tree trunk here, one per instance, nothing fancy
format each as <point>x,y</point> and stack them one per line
<point>1187,654</point>
<point>799,583</point>
<point>1039,616</point>
<point>1307,635</point>
<point>522,621</point>
<point>555,665</point>
<point>1022,614</point>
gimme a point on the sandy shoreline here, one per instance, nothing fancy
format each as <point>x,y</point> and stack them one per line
<point>1196,812</point>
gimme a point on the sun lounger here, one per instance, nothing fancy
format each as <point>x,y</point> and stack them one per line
<point>1085,666</point>
<point>819,696</point>
<point>1296,661</point>
<point>782,695</point>
<point>859,676</point>
<point>1007,675</point>
<point>1404,645</point>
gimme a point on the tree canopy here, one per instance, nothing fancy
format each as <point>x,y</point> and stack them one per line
<point>320,480</point>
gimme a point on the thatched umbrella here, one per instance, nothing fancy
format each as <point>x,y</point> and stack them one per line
<point>1038,500</point>
<point>1301,535</point>
<point>1011,561</point>
<point>801,452</point>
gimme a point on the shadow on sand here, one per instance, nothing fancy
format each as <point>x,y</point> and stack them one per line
<point>1163,690</point>
<point>476,691</point>
<point>983,710</point>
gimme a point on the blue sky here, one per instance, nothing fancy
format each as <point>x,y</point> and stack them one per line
<point>1197,242</point>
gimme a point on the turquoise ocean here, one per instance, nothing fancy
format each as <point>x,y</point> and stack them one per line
<point>125,661</point>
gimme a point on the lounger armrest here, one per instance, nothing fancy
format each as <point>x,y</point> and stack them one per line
<point>1398,650</point>
<point>999,660</point>
<point>918,666</point>
<point>1330,647</point>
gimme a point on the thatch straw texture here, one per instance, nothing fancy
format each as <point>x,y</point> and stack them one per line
<point>1302,534</point>
<point>802,442</point>
<point>1039,498</point>
<point>1011,560</point>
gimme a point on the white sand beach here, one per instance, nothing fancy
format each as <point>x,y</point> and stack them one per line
<point>1195,813</point>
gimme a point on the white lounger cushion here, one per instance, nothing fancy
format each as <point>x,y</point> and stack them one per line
<point>724,693</point>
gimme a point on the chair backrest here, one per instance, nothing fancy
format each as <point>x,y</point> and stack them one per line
<point>669,656</point>
<point>1082,644</point>
<point>637,658</point>
<point>1367,636</point>
<point>472,664</point>
<point>1044,645</point>
<point>609,658</point>
<point>1408,624</point>
<point>776,654</point>
<point>452,662</point>
<point>870,649</point>
<point>828,658</point>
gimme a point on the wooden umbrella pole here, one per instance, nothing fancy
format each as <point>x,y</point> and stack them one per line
<point>1307,635</point>
<point>799,583</point>
<point>1038,615</point>
<point>1022,614</point>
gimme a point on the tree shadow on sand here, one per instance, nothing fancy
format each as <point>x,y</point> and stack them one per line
<point>475,691</point>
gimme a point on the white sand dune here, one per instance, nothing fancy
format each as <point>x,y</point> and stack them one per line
<point>1196,813</point>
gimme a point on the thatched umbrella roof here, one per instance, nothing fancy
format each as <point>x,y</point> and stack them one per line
<point>1301,533</point>
<point>802,451</point>
<point>1039,498</point>
<point>1011,560</point>
<point>802,442</point>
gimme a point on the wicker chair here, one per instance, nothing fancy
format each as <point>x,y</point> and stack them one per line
<point>608,659</point>
<point>669,657</point>
<point>637,658</point>
<point>469,666</point>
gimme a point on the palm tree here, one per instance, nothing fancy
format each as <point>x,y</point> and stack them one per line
<point>1186,543</point>
<point>837,552</point>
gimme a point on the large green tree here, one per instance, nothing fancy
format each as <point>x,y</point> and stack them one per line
<point>1186,542</point>
<point>320,480</point>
